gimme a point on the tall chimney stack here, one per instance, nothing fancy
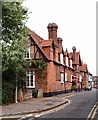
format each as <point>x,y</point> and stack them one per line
<point>59,41</point>
<point>74,52</point>
<point>52,31</point>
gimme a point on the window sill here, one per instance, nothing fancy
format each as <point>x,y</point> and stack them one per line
<point>30,86</point>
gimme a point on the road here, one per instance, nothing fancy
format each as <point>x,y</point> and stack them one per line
<point>79,107</point>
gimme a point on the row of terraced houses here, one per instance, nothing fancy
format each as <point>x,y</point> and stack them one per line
<point>64,70</point>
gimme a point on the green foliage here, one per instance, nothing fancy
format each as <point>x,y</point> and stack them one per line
<point>73,88</point>
<point>34,93</point>
<point>37,64</point>
<point>13,19</point>
<point>7,93</point>
<point>14,47</point>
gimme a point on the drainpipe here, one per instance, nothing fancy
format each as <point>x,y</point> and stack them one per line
<point>64,79</point>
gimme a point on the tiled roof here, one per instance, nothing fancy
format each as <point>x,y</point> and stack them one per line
<point>38,41</point>
<point>77,58</point>
<point>60,49</point>
<point>66,53</point>
<point>47,43</point>
<point>70,54</point>
<point>83,68</point>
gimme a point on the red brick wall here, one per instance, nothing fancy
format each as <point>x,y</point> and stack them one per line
<point>53,84</point>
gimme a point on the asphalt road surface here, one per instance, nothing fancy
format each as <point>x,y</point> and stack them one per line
<point>79,108</point>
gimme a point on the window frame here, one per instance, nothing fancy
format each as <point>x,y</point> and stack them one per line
<point>61,58</point>
<point>71,77</point>
<point>62,77</point>
<point>29,74</point>
<point>67,61</point>
<point>71,63</point>
<point>28,53</point>
<point>65,77</point>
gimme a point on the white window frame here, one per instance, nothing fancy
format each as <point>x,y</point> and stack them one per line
<point>62,77</point>
<point>28,52</point>
<point>71,63</point>
<point>80,78</point>
<point>67,61</point>
<point>61,59</point>
<point>65,76</point>
<point>71,77</point>
<point>29,74</point>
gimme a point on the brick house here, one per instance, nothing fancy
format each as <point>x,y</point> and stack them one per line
<point>95,81</point>
<point>62,69</point>
<point>84,73</point>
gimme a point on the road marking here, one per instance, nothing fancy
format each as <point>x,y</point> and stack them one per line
<point>92,112</point>
<point>29,115</point>
<point>38,115</point>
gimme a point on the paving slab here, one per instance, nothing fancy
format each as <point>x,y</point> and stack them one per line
<point>34,105</point>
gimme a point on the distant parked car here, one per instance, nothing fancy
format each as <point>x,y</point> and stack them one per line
<point>89,88</point>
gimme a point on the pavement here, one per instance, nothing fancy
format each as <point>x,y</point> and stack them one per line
<point>35,105</point>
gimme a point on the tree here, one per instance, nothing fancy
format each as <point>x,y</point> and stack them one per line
<point>14,44</point>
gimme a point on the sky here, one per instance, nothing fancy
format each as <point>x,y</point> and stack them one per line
<point>76,20</point>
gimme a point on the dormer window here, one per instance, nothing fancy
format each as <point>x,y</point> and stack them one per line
<point>61,58</point>
<point>71,63</point>
<point>67,61</point>
<point>27,55</point>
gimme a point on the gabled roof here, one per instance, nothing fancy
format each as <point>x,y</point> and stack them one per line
<point>83,68</point>
<point>38,41</point>
<point>66,53</point>
<point>37,37</point>
<point>70,54</point>
<point>77,58</point>
<point>60,49</point>
<point>47,43</point>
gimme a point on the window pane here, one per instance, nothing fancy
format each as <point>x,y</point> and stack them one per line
<point>28,53</point>
<point>31,82</point>
<point>62,78</point>
<point>65,76</point>
<point>31,72</point>
<point>28,81</point>
<point>30,78</point>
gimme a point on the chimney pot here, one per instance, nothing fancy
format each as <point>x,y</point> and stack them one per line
<point>59,40</point>
<point>49,25</point>
<point>54,25</point>
<point>52,31</point>
<point>74,48</point>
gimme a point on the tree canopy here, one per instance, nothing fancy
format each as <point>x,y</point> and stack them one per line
<point>14,41</point>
